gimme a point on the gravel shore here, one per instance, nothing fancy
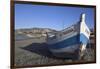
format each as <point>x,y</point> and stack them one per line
<point>35,52</point>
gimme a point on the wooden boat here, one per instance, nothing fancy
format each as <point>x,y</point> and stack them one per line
<point>70,42</point>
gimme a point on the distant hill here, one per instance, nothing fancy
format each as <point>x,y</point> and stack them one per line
<point>33,32</point>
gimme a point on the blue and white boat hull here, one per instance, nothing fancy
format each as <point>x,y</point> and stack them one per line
<point>70,41</point>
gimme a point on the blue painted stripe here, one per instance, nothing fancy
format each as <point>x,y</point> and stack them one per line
<point>83,39</point>
<point>79,38</point>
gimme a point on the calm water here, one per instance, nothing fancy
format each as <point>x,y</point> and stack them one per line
<point>21,37</point>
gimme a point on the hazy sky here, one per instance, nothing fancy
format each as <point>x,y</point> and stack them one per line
<point>55,17</point>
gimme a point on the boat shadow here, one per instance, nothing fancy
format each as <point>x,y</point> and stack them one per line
<point>39,48</point>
